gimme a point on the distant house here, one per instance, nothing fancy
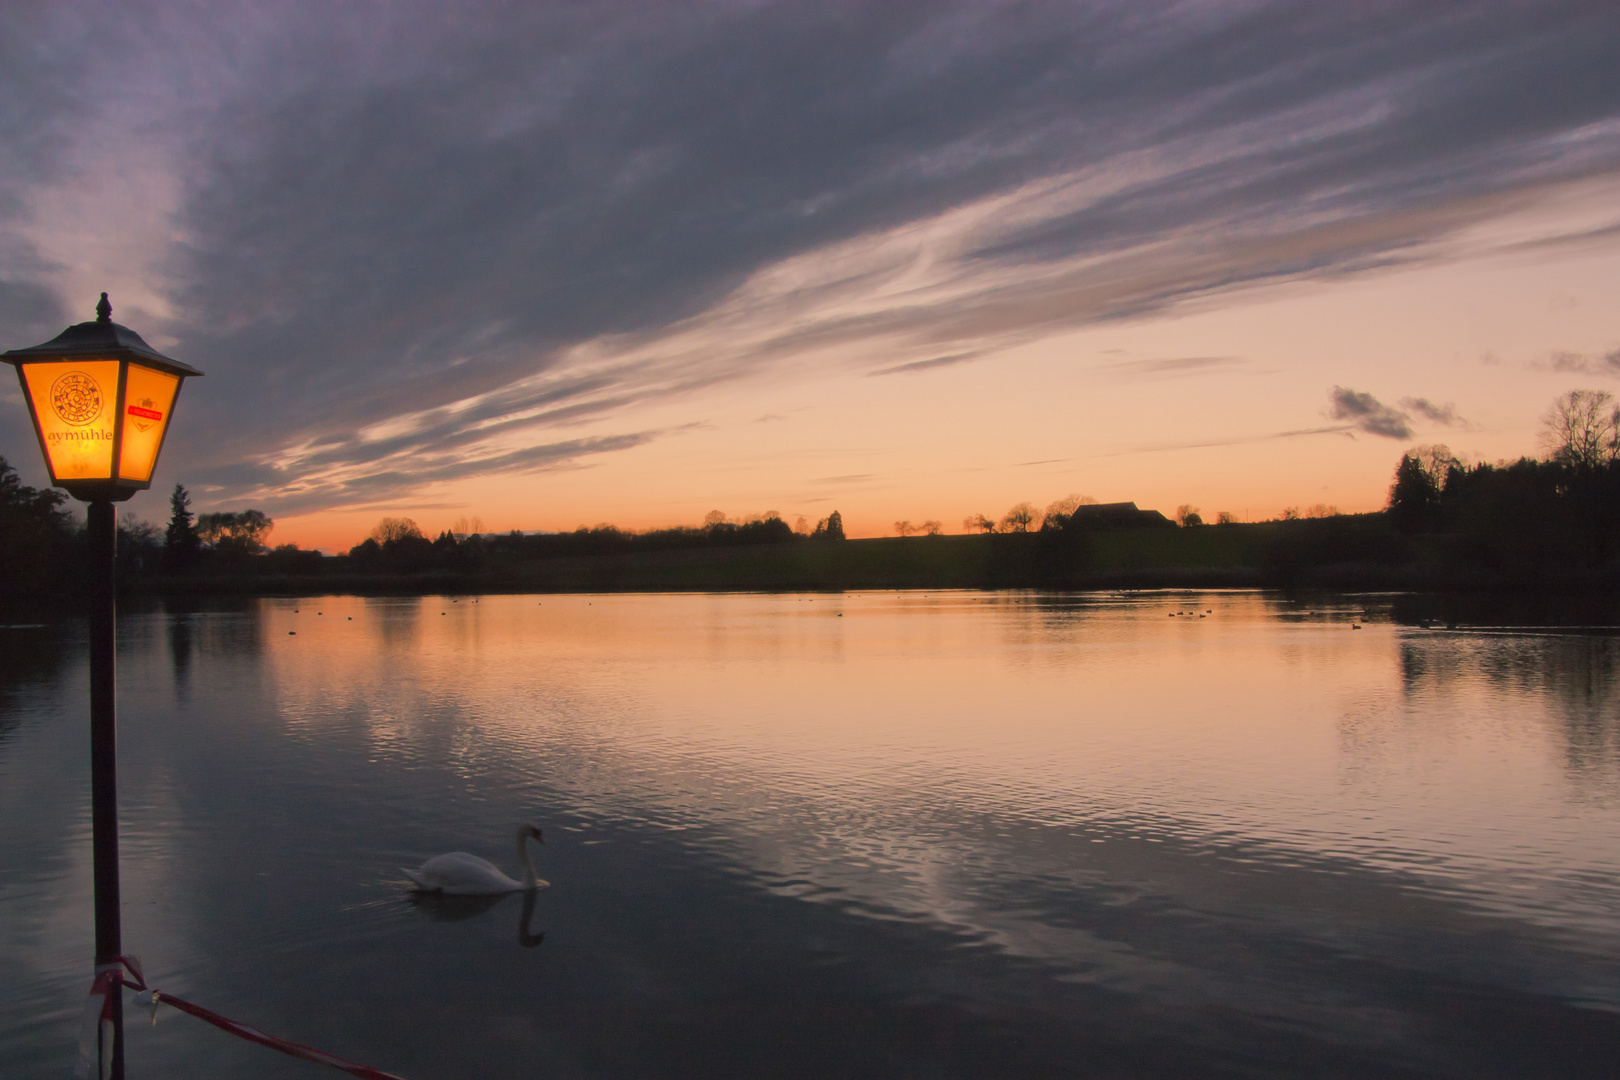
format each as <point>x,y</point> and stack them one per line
<point>1120,515</point>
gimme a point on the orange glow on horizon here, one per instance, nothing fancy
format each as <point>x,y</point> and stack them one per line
<point>1222,404</point>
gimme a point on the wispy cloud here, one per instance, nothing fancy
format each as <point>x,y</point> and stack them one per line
<point>1367,413</point>
<point>1236,440</point>
<point>414,242</point>
<point>1172,367</point>
<point>926,365</point>
<point>1445,415</point>
<point>1561,360</point>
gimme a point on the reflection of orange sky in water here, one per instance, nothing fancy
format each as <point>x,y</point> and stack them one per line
<point>1087,412</point>
<point>1290,728</point>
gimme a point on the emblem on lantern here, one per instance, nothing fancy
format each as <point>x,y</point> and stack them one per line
<point>76,398</point>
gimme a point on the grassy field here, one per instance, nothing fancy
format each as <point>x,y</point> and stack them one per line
<point>1348,552</point>
<point>1214,555</point>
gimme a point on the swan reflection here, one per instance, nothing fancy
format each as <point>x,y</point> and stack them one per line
<point>442,907</point>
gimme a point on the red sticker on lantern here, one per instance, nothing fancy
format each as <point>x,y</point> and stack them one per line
<point>150,414</point>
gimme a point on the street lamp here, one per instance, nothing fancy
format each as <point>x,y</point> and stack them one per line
<point>101,399</point>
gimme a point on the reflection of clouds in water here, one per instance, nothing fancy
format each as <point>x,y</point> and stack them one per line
<point>950,759</point>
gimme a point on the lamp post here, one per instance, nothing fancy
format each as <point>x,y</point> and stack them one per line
<point>101,399</point>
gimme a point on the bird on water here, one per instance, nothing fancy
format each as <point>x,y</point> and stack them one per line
<point>461,874</point>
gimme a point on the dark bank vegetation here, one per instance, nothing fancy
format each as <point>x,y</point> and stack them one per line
<point>1550,523</point>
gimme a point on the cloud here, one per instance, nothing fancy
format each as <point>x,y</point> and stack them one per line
<point>413,242</point>
<point>1172,367</point>
<point>297,490</point>
<point>1561,360</point>
<point>1440,414</point>
<point>1369,414</point>
<point>926,365</point>
<point>1238,440</point>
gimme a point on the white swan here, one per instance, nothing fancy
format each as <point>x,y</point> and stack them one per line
<point>461,874</point>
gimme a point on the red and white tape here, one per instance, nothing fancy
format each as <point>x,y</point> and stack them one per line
<point>96,1043</point>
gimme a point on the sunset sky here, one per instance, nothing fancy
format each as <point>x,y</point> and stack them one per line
<point>551,265</point>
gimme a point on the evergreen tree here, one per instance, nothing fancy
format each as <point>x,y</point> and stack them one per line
<point>835,526</point>
<point>1414,497</point>
<point>180,542</point>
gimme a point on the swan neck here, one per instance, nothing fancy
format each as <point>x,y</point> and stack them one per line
<point>529,880</point>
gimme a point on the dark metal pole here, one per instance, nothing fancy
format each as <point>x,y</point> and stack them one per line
<point>103,536</point>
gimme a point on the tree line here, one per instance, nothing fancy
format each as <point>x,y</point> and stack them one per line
<point>1543,519</point>
<point>1537,514</point>
<point>398,545</point>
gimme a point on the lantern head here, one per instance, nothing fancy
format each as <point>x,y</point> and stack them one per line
<point>101,399</point>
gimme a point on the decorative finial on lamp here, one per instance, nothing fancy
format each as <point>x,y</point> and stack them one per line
<point>104,310</point>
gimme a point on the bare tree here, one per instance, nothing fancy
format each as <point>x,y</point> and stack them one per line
<point>714,517</point>
<point>1226,517</point>
<point>1322,510</point>
<point>1020,518</point>
<point>1187,514</point>
<point>1582,429</point>
<point>979,522</point>
<point>904,528</point>
<point>1062,509</point>
<point>801,526</point>
<point>1290,513</point>
<point>390,528</point>
<point>1436,460</point>
<point>240,533</point>
<point>933,528</point>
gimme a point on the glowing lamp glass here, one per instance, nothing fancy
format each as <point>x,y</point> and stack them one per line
<point>101,399</point>
<point>148,399</point>
<point>74,405</point>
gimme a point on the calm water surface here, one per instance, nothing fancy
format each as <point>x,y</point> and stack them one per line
<point>875,835</point>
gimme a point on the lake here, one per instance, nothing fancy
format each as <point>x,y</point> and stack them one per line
<point>863,835</point>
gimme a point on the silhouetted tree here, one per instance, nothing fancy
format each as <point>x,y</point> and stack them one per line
<point>235,534</point>
<point>180,543</point>
<point>1582,429</point>
<point>34,534</point>
<point>1187,515</point>
<point>1058,513</point>
<point>830,527</point>
<point>1414,499</point>
<point>140,543</point>
<point>979,522</point>
<point>904,528</point>
<point>1020,518</point>
<point>933,528</point>
<point>1437,461</point>
<point>395,529</point>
